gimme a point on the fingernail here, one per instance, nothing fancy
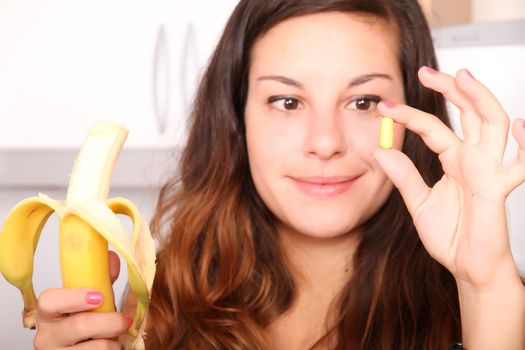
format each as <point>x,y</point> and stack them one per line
<point>129,321</point>
<point>431,70</point>
<point>93,298</point>
<point>470,74</point>
<point>388,104</point>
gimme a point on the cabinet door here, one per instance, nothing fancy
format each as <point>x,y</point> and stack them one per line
<point>66,64</point>
<point>202,24</point>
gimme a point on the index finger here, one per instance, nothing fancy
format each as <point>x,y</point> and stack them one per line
<point>54,303</point>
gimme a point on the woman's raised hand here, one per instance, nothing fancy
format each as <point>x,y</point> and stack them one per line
<point>461,220</point>
<point>64,320</point>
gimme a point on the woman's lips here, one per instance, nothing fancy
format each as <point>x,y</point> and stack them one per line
<point>324,186</point>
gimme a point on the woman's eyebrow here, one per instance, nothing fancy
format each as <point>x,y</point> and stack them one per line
<point>359,80</point>
<point>282,79</point>
<point>364,78</point>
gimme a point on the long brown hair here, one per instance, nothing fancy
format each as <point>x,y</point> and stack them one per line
<point>222,277</point>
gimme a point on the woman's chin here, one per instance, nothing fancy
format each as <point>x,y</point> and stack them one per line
<point>319,230</point>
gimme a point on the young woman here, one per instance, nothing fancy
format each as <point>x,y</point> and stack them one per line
<point>288,228</point>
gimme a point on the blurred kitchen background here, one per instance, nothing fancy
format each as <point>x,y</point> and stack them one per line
<point>65,64</point>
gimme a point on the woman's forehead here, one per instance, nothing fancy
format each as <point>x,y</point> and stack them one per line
<point>328,40</point>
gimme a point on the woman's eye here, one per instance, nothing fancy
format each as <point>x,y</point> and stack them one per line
<point>285,103</point>
<point>364,103</point>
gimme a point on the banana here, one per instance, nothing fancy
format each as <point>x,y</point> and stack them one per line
<point>88,222</point>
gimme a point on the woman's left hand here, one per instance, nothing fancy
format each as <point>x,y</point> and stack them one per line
<point>461,220</point>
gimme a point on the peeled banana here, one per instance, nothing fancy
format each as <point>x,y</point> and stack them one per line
<point>88,222</point>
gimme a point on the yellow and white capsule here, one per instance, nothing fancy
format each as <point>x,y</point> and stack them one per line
<point>386,139</point>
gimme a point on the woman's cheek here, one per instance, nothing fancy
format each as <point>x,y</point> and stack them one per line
<point>364,137</point>
<point>282,136</point>
<point>270,143</point>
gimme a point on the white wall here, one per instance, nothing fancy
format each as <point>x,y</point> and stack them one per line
<point>502,10</point>
<point>443,13</point>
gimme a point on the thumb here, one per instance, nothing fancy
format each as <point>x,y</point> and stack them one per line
<point>404,175</point>
<point>114,266</point>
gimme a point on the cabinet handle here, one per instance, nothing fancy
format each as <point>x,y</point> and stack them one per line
<point>161,82</point>
<point>189,68</point>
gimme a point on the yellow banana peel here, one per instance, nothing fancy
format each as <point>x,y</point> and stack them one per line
<point>88,222</point>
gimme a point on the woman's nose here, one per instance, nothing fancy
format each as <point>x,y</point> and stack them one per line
<point>325,137</point>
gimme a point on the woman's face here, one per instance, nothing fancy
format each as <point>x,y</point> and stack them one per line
<point>311,119</point>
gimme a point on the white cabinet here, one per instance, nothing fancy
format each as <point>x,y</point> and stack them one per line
<point>203,23</point>
<point>65,64</point>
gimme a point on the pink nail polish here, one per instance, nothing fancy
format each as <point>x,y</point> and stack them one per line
<point>129,321</point>
<point>470,74</point>
<point>93,298</point>
<point>388,104</point>
<point>431,70</point>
